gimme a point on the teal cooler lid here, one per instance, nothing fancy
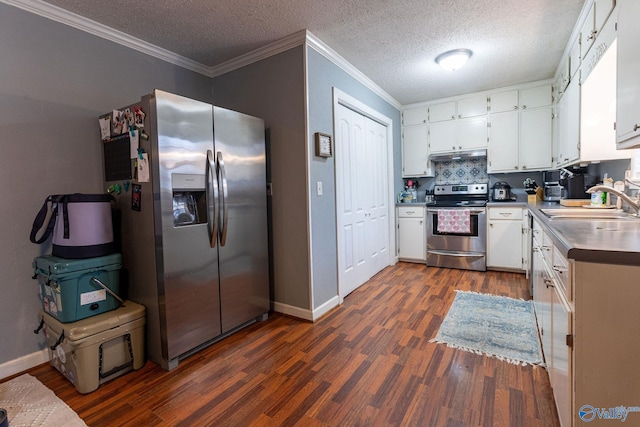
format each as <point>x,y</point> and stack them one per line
<point>51,265</point>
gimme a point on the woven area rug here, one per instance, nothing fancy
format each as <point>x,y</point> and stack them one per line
<point>496,326</point>
<point>29,403</point>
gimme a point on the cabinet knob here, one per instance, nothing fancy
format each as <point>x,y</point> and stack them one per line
<point>549,283</point>
<point>515,107</point>
<point>515,167</point>
<point>524,107</point>
<point>453,116</point>
<point>635,127</point>
<point>524,166</point>
<point>454,147</point>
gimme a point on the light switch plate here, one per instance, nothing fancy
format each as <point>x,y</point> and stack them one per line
<point>319,188</point>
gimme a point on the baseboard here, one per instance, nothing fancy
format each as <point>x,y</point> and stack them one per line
<point>326,307</point>
<point>306,314</point>
<point>290,310</point>
<point>23,363</point>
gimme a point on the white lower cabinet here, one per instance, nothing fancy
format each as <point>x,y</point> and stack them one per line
<point>412,237</point>
<point>555,321</point>
<point>504,238</point>
<point>560,366</point>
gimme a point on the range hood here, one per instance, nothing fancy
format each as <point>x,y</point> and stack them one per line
<point>458,155</point>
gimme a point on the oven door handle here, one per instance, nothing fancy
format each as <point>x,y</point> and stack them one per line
<point>457,254</point>
<point>471,211</point>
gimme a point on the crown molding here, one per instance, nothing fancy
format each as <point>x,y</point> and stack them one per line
<point>299,38</point>
<point>296,39</point>
<point>65,17</point>
<point>346,66</point>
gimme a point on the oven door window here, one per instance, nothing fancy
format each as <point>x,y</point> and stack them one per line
<point>473,227</point>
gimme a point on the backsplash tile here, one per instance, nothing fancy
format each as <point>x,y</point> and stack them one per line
<point>467,171</point>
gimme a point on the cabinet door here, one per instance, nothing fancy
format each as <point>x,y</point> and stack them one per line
<point>443,136</point>
<point>472,133</point>
<point>415,116</point>
<point>411,238</point>
<point>504,101</point>
<point>473,106</point>
<point>415,151</point>
<point>534,97</point>
<point>569,122</point>
<point>628,70</point>
<point>574,59</point>
<point>602,10</point>
<point>503,150</point>
<point>536,138</point>
<point>561,356</point>
<point>441,112</point>
<point>504,248</point>
<point>588,32</point>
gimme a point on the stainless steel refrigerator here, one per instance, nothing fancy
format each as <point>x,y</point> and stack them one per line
<point>194,237</point>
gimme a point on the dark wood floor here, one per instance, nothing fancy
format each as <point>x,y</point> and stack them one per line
<point>367,363</point>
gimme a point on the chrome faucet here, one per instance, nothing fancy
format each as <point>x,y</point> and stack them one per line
<point>635,204</point>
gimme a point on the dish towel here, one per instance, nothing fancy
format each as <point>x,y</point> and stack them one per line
<point>454,221</point>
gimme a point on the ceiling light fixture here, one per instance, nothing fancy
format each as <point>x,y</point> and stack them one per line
<point>453,59</point>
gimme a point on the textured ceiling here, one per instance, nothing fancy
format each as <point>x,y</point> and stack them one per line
<point>393,43</point>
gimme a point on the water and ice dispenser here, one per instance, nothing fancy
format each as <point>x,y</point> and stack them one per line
<point>189,199</point>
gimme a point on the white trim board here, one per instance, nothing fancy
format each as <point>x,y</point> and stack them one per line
<point>23,363</point>
<point>87,25</point>
<point>306,314</point>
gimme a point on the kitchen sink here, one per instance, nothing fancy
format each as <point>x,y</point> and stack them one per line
<point>585,213</point>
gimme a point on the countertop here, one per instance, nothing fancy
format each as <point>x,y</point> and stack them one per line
<point>592,240</point>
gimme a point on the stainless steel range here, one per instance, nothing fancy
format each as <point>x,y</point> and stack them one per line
<point>457,227</point>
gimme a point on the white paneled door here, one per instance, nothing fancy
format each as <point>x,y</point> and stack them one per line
<point>363,199</point>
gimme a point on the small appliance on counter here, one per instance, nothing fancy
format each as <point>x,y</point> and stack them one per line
<point>552,190</point>
<point>576,184</point>
<point>501,192</point>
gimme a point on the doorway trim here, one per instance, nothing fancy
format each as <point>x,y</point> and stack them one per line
<point>342,98</point>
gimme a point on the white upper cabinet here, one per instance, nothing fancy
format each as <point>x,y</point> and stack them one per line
<point>458,125</point>
<point>472,106</point>
<point>504,147</point>
<point>568,111</point>
<point>628,70</point>
<point>598,100</point>
<point>415,151</point>
<point>442,112</point>
<point>536,97</point>
<point>504,101</point>
<point>415,143</point>
<point>536,138</point>
<point>574,58</point>
<point>521,131</point>
<point>588,31</point>
<point>415,116</point>
<point>596,18</point>
<point>602,12</point>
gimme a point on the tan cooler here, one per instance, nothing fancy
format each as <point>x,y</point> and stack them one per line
<point>97,349</point>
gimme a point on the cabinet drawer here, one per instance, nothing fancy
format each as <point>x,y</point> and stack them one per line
<point>411,212</point>
<point>562,270</point>
<point>505,213</point>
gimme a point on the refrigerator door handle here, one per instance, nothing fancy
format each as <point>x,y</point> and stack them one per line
<point>225,208</point>
<point>212,181</point>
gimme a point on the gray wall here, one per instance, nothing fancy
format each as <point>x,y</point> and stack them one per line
<point>54,82</point>
<point>323,76</point>
<point>273,89</point>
